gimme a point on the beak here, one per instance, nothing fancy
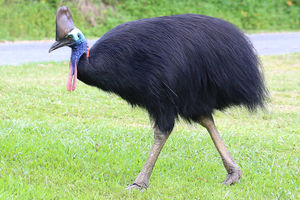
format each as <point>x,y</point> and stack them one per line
<point>61,43</point>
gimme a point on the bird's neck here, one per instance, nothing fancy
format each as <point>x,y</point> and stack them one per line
<point>77,51</point>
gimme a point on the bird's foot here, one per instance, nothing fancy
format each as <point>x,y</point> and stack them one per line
<point>139,186</point>
<point>233,177</point>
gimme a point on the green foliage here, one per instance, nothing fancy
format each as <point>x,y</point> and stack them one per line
<point>89,144</point>
<point>35,19</point>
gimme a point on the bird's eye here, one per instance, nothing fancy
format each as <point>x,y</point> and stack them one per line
<point>78,35</point>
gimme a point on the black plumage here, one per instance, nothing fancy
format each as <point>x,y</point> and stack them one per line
<point>187,65</point>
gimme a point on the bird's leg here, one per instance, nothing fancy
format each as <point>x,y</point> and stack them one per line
<point>142,179</point>
<point>234,172</point>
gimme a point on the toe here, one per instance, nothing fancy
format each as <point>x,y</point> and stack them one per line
<point>233,178</point>
<point>136,186</point>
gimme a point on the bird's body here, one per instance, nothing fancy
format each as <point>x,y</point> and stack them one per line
<point>187,65</point>
<point>182,65</point>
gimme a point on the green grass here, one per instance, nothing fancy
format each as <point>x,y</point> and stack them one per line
<point>35,19</point>
<point>89,144</point>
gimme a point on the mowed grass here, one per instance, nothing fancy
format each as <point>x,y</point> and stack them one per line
<point>89,144</point>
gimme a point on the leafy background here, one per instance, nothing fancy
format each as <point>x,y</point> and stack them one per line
<point>35,19</point>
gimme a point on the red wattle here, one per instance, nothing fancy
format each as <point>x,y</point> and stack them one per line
<point>75,77</point>
<point>69,83</point>
<point>88,51</point>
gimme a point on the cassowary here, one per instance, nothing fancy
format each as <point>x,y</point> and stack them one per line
<point>183,65</point>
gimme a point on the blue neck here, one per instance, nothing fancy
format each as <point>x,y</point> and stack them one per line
<point>77,51</point>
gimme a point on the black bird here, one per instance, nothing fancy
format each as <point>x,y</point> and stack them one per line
<point>183,65</point>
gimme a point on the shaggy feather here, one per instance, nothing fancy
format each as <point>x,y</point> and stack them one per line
<point>187,65</point>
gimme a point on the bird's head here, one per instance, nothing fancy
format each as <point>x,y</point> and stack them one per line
<point>72,39</point>
<point>68,35</point>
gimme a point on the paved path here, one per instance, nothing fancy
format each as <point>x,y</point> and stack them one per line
<point>23,52</point>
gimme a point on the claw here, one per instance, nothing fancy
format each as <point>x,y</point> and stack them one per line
<point>141,187</point>
<point>233,178</point>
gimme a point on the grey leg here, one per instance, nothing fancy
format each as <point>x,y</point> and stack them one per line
<point>234,172</point>
<point>142,179</point>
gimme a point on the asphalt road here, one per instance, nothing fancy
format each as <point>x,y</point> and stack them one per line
<point>14,53</point>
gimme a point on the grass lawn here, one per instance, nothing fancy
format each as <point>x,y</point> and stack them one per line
<point>89,144</point>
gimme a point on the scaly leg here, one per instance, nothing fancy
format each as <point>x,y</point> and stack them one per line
<point>234,172</point>
<point>142,179</point>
